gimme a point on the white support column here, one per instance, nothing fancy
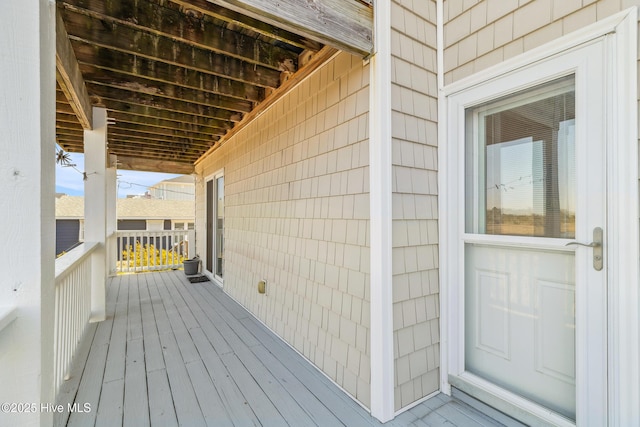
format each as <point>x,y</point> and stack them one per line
<point>380,173</point>
<point>95,207</point>
<point>112,220</point>
<point>27,188</point>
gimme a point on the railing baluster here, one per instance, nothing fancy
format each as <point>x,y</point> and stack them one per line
<point>151,250</point>
<point>72,307</point>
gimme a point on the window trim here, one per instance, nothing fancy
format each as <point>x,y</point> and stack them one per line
<point>219,280</point>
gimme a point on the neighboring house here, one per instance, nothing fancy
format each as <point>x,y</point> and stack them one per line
<point>69,222</point>
<point>179,188</point>
<point>132,214</point>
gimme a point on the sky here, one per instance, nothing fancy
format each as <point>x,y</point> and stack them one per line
<point>69,179</point>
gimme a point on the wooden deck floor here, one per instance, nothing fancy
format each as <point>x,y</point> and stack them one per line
<point>174,353</point>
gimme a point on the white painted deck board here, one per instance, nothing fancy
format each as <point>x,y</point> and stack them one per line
<point>136,403</point>
<point>114,369</point>
<point>161,410</point>
<point>174,353</point>
<point>110,408</point>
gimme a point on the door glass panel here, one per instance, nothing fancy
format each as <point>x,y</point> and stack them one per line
<point>521,155</point>
<point>220,227</point>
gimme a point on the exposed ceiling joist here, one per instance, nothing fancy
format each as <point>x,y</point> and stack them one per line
<point>161,132</point>
<point>150,17</point>
<point>246,22</point>
<point>198,103</point>
<point>158,111</point>
<point>70,78</point>
<point>151,124</point>
<point>98,64</point>
<point>178,77</point>
<point>343,24</point>
<point>153,165</point>
<point>125,39</point>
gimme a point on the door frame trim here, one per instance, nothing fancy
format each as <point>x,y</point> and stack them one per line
<point>211,275</point>
<point>622,252</point>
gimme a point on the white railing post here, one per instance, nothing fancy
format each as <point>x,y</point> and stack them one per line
<point>191,244</point>
<point>111,216</point>
<point>95,208</point>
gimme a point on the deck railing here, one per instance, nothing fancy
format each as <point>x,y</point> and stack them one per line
<point>72,306</point>
<point>153,250</point>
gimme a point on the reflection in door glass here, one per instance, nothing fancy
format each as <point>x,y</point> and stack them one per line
<point>521,150</point>
<point>220,227</point>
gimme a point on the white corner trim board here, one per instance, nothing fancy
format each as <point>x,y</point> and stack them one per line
<point>380,176</point>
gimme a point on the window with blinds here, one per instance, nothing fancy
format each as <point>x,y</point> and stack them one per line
<point>520,158</point>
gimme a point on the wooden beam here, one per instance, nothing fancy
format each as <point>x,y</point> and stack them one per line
<point>69,77</point>
<point>314,63</point>
<point>199,31</point>
<point>155,141</point>
<point>344,24</point>
<point>107,99</point>
<point>152,124</point>
<point>151,165</point>
<point>117,107</point>
<point>64,108</point>
<point>71,147</point>
<point>69,125</point>
<point>154,155</point>
<point>170,92</point>
<point>67,118</point>
<point>70,133</point>
<point>177,154</point>
<point>70,140</point>
<point>155,132</point>
<point>237,19</point>
<point>95,60</point>
<point>152,46</point>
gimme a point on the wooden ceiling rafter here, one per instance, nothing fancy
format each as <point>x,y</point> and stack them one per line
<point>121,65</point>
<point>153,123</point>
<point>158,141</point>
<point>178,77</point>
<point>69,77</point>
<point>237,19</point>
<point>162,133</point>
<point>152,18</point>
<point>151,111</point>
<point>222,109</point>
<point>153,164</point>
<point>125,39</point>
<point>343,24</point>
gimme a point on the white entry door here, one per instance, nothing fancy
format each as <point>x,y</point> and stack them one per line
<point>531,192</point>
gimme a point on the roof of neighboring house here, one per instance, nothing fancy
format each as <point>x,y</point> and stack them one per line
<point>69,207</point>
<point>182,179</point>
<point>72,207</point>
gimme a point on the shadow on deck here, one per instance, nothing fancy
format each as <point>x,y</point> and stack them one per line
<point>174,353</point>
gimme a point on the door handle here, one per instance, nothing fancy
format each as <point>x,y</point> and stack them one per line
<point>588,245</point>
<point>597,248</point>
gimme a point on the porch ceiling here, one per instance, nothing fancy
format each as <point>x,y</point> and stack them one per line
<point>178,76</point>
